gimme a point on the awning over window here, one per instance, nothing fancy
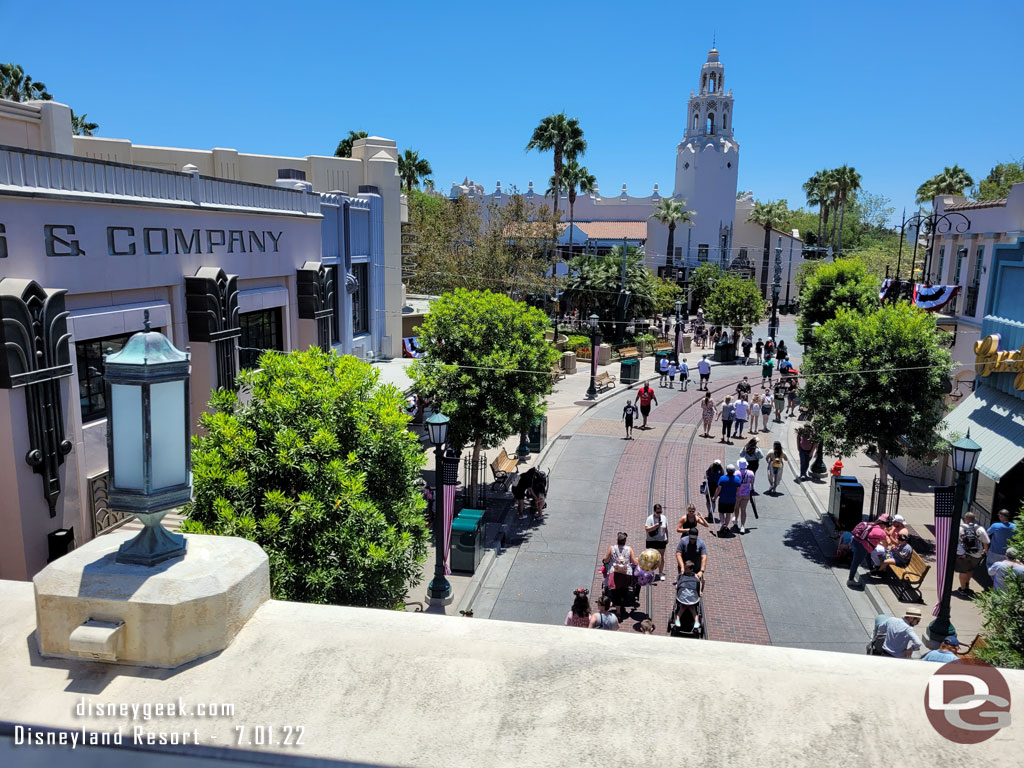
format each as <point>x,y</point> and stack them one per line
<point>996,422</point>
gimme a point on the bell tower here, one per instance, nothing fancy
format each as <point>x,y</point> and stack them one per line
<point>707,166</point>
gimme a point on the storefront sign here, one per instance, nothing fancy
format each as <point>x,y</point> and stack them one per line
<point>60,240</point>
<point>989,359</point>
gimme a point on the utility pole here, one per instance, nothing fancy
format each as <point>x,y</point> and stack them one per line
<point>776,288</point>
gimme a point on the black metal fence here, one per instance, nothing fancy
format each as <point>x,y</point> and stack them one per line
<point>891,491</point>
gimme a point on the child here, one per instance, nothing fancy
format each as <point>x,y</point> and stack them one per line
<point>673,369</point>
<point>627,416</point>
<point>688,594</point>
<point>899,554</point>
<point>845,548</point>
<point>684,374</point>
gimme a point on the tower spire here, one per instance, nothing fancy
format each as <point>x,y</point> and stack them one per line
<point>714,37</point>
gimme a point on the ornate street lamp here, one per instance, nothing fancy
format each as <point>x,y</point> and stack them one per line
<point>148,447</point>
<point>439,589</point>
<point>965,459</point>
<point>595,341</point>
<point>679,310</point>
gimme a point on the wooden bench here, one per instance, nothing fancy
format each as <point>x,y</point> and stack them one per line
<point>604,380</point>
<point>663,346</point>
<point>970,656</point>
<point>503,467</point>
<point>910,578</point>
<point>627,353</point>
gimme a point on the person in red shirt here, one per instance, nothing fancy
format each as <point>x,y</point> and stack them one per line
<point>862,545</point>
<point>645,396</point>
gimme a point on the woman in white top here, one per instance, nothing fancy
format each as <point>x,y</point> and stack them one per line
<point>657,536</point>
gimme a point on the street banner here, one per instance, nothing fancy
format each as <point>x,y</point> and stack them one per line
<point>450,478</point>
<point>944,500</point>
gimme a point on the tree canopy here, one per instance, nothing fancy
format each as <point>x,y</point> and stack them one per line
<point>594,282</point>
<point>834,285</point>
<point>319,470</point>
<point>562,136</point>
<point>876,379</point>
<point>952,181</point>
<point>999,180</point>
<point>344,148</point>
<point>15,85</point>
<point>734,301</point>
<point>701,281</point>
<point>412,168</point>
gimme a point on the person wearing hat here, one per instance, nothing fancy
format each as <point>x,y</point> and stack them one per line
<point>743,493</point>
<point>999,535</point>
<point>945,653</point>
<point>1009,563</point>
<point>900,638</point>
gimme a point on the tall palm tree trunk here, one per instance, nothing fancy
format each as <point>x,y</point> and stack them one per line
<point>558,179</point>
<point>835,220</point>
<point>842,216</point>
<point>671,244</point>
<point>821,205</point>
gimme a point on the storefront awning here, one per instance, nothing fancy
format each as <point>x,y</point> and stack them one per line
<point>996,422</point>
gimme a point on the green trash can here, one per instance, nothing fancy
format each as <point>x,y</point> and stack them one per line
<point>665,354</point>
<point>719,356</point>
<point>629,371</point>
<point>467,544</point>
<point>537,437</point>
<point>470,514</point>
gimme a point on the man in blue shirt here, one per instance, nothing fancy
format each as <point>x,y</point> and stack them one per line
<point>728,485</point>
<point>945,652</point>
<point>999,534</point>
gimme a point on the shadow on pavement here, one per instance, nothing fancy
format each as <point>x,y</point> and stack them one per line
<point>812,541</point>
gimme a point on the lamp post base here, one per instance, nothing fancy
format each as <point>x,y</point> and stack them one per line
<point>523,451</point>
<point>439,592</point>
<point>940,629</point>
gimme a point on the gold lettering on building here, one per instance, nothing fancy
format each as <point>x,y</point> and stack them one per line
<point>989,359</point>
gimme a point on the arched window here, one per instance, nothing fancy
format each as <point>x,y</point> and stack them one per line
<point>711,83</point>
<point>703,82</point>
<point>725,120</point>
<point>711,123</point>
<point>695,119</point>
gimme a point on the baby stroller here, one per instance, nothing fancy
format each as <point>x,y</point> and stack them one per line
<point>626,596</point>
<point>686,626</point>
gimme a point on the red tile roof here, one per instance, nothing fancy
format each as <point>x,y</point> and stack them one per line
<point>971,206</point>
<point>613,230</point>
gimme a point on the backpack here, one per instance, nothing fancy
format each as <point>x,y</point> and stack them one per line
<point>861,531</point>
<point>620,563</point>
<point>970,539</point>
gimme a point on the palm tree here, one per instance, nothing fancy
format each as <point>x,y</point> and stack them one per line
<point>952,181</point>
<point>15,85</point>
<point>411,168</point>
<point>564,137</point>
<point>848,181</point>
<point>575,178</point>
<point>345,145</point>
<point>814,188</point>
<point>770,215</point>
<point>671,213</point>
<point>80,126</point>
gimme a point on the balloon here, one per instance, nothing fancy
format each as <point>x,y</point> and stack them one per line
<point>644,578</point>
<point>649,559</point>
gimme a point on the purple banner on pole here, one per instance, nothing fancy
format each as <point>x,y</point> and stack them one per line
<point>944,500</point>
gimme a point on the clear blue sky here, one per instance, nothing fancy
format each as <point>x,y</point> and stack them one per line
<point>895,89</point>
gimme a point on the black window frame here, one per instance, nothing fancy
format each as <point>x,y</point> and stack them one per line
<point>91,388</point>
<point>261,330</point>
<point>361,299</point>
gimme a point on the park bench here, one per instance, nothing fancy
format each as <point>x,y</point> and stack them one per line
<point>969,656</point>
<point>628,353</point>
<point>910,578</point>
<point>604,380</point>
<point>503,467</point>
<point>663,346</point>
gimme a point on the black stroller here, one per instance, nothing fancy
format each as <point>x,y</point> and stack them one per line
<point>530,485</point>
<point>686,626</point>
<point>626,596</point>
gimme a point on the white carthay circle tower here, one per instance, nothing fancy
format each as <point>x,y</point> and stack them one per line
<point>707,162</point>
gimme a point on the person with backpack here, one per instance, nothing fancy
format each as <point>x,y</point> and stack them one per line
<point>619,566</point>
<point>866,536</point>
<point>645,395</point>
<point>970,551</point>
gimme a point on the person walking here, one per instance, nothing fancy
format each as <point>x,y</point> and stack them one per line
<point>766,372</point>
<point>604,617</point>
<point>999,535</point>
<point>759,350</point>
<point>728,486</point>
<point>743,494</point>
<point>780,352</point>
<point>970,551</point>
<point>740,416</point>
<point>628,413</point>
<point>776,458</point>
<point>693,549</point>
<point>710,487</point>
<point>805,446</point>
<point>657,536</point>
<point>747,344</point>
<point>792,397</point>
<point>743,388</point>
<point>579,614</point>
<point>779,397</point>
<point>753,456</point>
<point>620,566</point>
<point>663,370</point>
<point>704,368</point>
<point>684,374</point>
<point>726,412</point>
<point>769,350</point>
<point>766,411</point>
<point>645,396</point>
<point>707,413</point>
<point>690,519</point>
<point>673,369</point>
<point>1008,563</point>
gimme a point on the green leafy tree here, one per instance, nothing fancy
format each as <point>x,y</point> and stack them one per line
<point>773,214</point>
<point>319,470</point>
<point>666,294</point>
<point>876,379</point>
<point>15,85</point>
<point>412,168</point>
<point>952,181</point>
<point>1002,613</point>
<point>670,212</point>
<point>831,286</point>
<point>80,126</point>
<point>562,136</point>
<point>736,302</point>
<point>345,145</point>
<point>702,279</point>
<point>594,282</point>
<point>999,180</point>
<point>487,366</point>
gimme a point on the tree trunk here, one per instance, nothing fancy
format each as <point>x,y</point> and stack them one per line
<point>883,482</point>
<point>558,180</point>
<point>765,260</point>
<point>572,218</point>
<point>842,216</point>
<point>474,476</point>
<point>671,243</point>
<point>824,226</point>
<point>820,206</point>
<point>835,220</point>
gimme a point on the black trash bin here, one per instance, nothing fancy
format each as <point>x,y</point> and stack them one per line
<point>629,371</point>
<point>467,543</point>
<point>537,437</point>
<point>848,501</point>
